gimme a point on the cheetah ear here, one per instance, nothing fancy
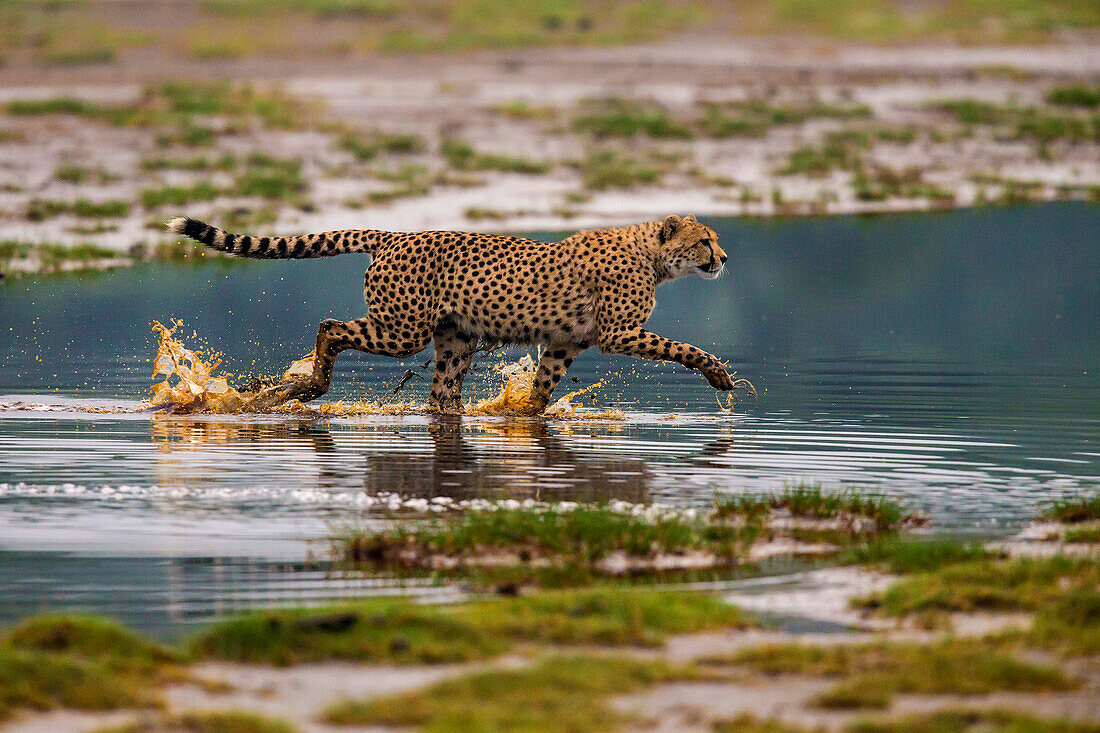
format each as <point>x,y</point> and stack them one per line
<point>669,227</point>
<point>691,218</point>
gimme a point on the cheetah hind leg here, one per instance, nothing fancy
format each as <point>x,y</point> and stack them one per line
<point>454,351</point>
<point>552,367</point>
<point>333,337</point>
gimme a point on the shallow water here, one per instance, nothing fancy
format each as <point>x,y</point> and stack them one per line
<point>946,359</point>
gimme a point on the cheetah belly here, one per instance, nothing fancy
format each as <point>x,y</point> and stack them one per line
<point>531,323</point>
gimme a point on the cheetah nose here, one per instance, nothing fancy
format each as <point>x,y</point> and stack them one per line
<point>722,258</point>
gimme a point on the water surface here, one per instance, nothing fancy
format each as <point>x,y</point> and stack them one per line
<point>946,359</point>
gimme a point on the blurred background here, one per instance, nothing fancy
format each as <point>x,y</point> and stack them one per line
<point>298,115</point>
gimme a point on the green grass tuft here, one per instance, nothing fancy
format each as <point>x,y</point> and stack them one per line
<point>54,105</point>
<point>907,555</point>
<point>974,112</point>
<point>1075,95</point>
<point>152,198</point>
<point>206,721</point>
<point>972,721</point>
<point>77,662</point>
<point>810,500</point>
<point>603,616</point>
<point>615,117</point>
<point>582,536</point>
<point>1060,591</point>
<point>1084,535</point>
<point>372,631</point>
<point>1074,509</point>
<point>561,694</point>
<point>40,681</point>
<point>89,637</point>
<point>41,209</point>
<point>271,178</point>
<point>607,169</point>
<point>460,155</point>
<point>870,674</point>
<point>396,631</point>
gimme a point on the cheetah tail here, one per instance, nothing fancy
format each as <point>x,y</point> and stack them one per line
<point>324,244</point>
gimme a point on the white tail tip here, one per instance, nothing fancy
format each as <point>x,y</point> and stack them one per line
<point>177,224</point>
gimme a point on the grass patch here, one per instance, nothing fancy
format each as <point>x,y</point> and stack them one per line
<point>817,162</point>
<point>52,106</point>
<point>78,174</point>
<point>972,721</point>
<point>270,106</point>
<point>207,721</point>
<point>37,681</point>
<point>322,10</point>
<point>1074,509</point>
<point>748,723</point>
<point>974,112</point>
<point>754,118</point>
<point>1075,95</point>
<point>152,198</point>
<point>477,213</point>
<point>82,56</point>
<point>872,673</point>
<point>226,162</point>
<point>411,180</point>
<point>1047,128</point>
<point>884,183</point>
<point>461,156</point>
<point>1083,535</point>
<point>615,117</point>
<point>717,121</point>
<point>179,106</point>
<point>981,585</point>
<point>42,209</point>
<point>907,555</point>
<point>271,178</point>
<point>1024,122</point>
<point>53,258</point>
<point>810,500</point>
<point>581,536</point>
<point>396,631</point>
<point>1071,623</point>
<point>564,694</point>
<point>1060,591</point>
<point>92,229</point>
<point>77,662</point>
<point>521,109</point>
<point>366,147</point>
<point>607,169</point>
<point>372,631</point>
<point>603,616</point>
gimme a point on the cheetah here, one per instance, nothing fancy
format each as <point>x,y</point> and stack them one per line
<point>453,288</point>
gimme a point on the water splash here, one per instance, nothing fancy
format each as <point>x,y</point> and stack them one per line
<point>187,381</point>
<point>514,397</point>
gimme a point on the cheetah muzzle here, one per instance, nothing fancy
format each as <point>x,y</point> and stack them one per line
<point>594,288</point>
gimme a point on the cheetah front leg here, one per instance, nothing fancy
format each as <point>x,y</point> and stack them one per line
<point>454,350</point>
<point>554,362</point>
<point>333,337</point>
<point>647,345</point>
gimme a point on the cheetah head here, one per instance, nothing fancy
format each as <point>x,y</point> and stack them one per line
<point>690,247</point>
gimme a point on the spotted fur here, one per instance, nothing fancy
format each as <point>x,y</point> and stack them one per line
<point>594,288</point>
